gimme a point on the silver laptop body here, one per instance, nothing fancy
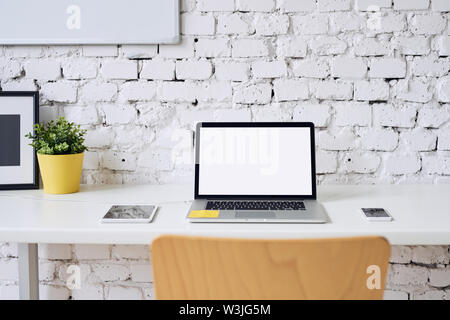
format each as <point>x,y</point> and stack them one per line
<point>255,172</point>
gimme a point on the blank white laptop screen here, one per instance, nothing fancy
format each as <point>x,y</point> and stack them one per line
<point>255,161</point>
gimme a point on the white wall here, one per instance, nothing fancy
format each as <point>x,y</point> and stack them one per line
<point>380,100</point>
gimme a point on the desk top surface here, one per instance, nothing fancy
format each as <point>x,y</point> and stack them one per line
<point>421,215</point>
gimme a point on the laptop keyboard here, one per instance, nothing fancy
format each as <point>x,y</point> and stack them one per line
<point>255,205</point>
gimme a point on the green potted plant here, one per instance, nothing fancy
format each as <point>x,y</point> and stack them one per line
<point>60,150</point>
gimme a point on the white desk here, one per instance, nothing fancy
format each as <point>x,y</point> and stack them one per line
<point>421,217</point>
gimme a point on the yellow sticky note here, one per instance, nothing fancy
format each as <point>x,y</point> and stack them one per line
<point>204,214</point>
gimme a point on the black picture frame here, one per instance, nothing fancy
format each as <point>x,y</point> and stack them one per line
<point>35,110</point>
<point>310,125</point>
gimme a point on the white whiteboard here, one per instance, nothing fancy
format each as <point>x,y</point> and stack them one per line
<point>89,21</point>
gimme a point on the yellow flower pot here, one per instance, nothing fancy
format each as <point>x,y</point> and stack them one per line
<point>61,173</point>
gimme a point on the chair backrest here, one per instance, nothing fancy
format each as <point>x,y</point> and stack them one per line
<point>216,268</point>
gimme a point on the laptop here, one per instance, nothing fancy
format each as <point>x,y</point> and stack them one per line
<point>260,172</point>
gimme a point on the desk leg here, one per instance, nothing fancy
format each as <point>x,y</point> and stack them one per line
<point>28,271</point>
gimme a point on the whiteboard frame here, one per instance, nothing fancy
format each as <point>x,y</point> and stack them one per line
<point>45,41</point>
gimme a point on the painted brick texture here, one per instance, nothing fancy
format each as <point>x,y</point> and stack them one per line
<point>378,93</point>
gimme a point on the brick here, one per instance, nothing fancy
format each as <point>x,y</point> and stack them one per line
<point>91,160</point>
<point>42,69</point>
<point>81,115</point>
<point>59,92</point>
<point>51,292</point>
<point>92,252</point>
<point>134,252</point>
<point>8,250</point>
<point>339,141</point>
<point>433,117</point>
<point>430,254</point>
<point>394,116</point>
<point>272,112</point>
<point>392,22</point>
<point>215,5</point>
<point>296,6</point>
<point>111,272</point>
<point>47,270</point>
<point>372,90</point>
<point>119,161</point>
<point>176,92</point>
<point>416,90</point>
<point>255,5</point>
<point>349,68</point>
<point>9,269</point>
<point>443,89</point>
<point>9,69</point>
<point>333,90</point>
<point>444,46</point>
<point>429,295</point>
<point>231,70</point>
<point>98,92</point>
<point>234,23</point>
<point>401,254</point>
<point>395,295</point>
<point>219,47</point>
<point>184,49</point>
<point>218,91</point>
<point>141,272</point>
<point>137,91</point>
<point>440,5</point>
<point>411,4</point>
<point>258,93</point>
<point>19,85</point>
<point>197,24</point>
<point>123,293</point>
<point>187,5</point>
<point>139,51</point>
<point>415,45</point>
<point>120,69</point>
<point>379,139</point>
<point>369,47</point>
<point>290,90</point>
<point>436,164</point>
<point>123,114</point>
<point>364,5</point>
<point>311,68</point>
<point>333,5</point>
<point>269,69</point>
<point>309,24</point>
<point>243,48</point>
<point>158,69</point>
<point>326,162</point>
<point>419,139</point>
<point>427,24</point>
<point>402,164</point>
<point>326,45</point>
<point>399,274</point>
<point>346,22</point>
<point>88,292</point>
<point>55,251</point>
<point>271,24</point>
<point>387,68</point>
<point>77,69</point>
<point>319,114</point>
<point>358,162</point>
<point>291,46</point>
<point>444,139</point>
<point>100,51</point>
<point>195,70</point>
<point>232,115</point>
<point>101,137</point>
<point>160,159</point>
<point>47,113</point>
<point>440,277</point>
<point>25,51</point>
<point>430,67</point>
<point>352,113</point>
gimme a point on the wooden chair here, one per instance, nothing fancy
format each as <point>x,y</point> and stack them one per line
<point>215,268</point>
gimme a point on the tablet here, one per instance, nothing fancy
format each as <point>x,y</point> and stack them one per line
<point>130,214</point>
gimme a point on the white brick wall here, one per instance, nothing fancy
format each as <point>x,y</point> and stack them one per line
<point>380,100</point>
